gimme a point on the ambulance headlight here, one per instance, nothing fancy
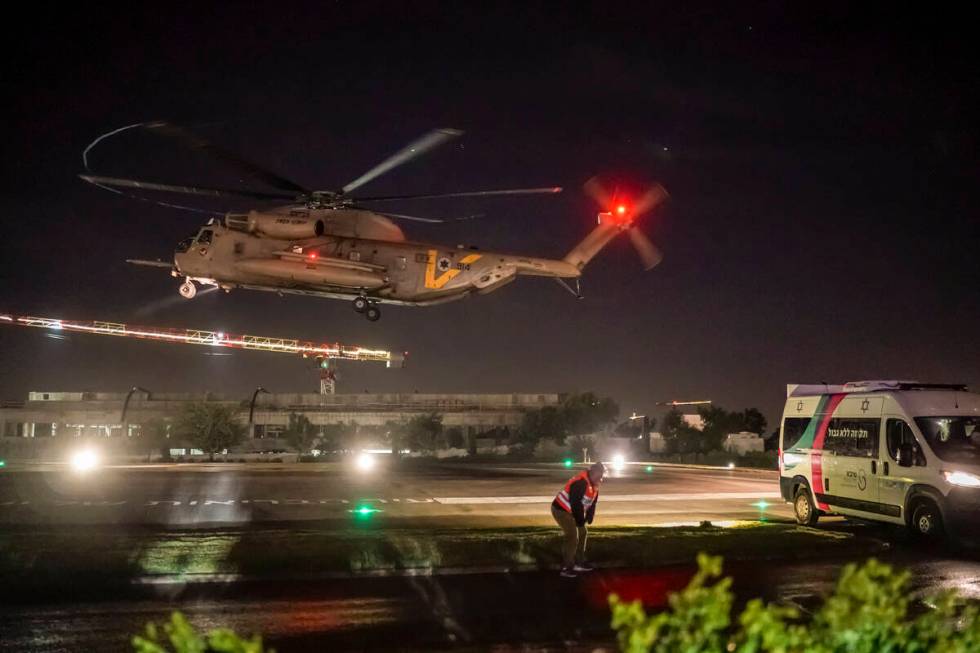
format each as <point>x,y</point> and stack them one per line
<point>84,460</point>
<point>792,458</point>
<point>963,479</point>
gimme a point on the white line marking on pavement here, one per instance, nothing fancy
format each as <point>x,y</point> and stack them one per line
<point>701,496</point>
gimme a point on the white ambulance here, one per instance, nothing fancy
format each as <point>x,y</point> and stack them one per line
<point>893,451</point>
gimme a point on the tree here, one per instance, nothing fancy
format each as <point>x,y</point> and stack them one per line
<point>454,437</point>
<point>577,414</point>
<point>587,413</point>
<point>210,427</point>
<point>395,432</point>
<point>678,435</point>
<point>717,424</point>
<point>546,422</point>
<point>155,437</point>
<point>300,433</point>
<point>753,421</point>
<point>422,432</point>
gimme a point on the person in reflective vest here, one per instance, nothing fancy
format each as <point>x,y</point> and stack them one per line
<point>574,509</point>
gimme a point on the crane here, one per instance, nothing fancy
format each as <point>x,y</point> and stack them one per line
<point>323,353</point>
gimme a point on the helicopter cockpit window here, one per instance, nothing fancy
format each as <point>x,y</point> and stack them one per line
<point>185,245</point>
<point>205,237</point>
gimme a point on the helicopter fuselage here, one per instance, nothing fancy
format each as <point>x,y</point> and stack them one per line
<point>345,254</point>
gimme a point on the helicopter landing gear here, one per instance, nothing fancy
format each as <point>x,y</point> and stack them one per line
<point>187,290</point>
<point>360,304</point>
<point>372,313</point>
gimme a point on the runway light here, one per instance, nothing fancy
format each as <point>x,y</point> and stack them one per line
<point>364,512</point>
<point>761,504</point>
<point>365,462</point>
<point>568,462</point>
<point>731,465</point>
<point>619,462</point>
<point>3,463</point>
<point>84,460</point>
<point>649,468</point>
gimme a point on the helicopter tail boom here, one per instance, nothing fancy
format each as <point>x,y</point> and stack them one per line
<point>586,250</point>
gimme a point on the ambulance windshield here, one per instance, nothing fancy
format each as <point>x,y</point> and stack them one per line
<point>953,439</point>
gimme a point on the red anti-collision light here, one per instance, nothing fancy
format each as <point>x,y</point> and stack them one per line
<point>312,255</point>
<point>621,209</point>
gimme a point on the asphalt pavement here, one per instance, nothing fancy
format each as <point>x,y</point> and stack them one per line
<point>477,611</point>
<point>413,493</point>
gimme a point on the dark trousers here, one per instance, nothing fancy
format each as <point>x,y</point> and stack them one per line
<point>573,549</point>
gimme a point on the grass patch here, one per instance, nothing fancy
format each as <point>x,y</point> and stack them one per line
<point>94,555</point>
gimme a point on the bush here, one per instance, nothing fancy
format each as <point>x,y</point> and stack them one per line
<point>183,638</point>
<point>868,612</point>
<point>550,450</point>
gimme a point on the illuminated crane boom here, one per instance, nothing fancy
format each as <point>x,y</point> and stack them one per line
<point>324,351</point>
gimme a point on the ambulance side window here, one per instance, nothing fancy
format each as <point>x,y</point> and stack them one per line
<point>897,432</point>
<point>853,437</point>
<point>793,429</point>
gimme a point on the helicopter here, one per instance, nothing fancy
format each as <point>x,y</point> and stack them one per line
<point>333,245</point>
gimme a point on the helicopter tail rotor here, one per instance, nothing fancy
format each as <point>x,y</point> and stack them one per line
<point>619,215</point>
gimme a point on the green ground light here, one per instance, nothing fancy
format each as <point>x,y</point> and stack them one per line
<point>649,468</point>
<point>3,463</point>
<point>364,512</point>
<point>568,462</point>
<point>762,504</point>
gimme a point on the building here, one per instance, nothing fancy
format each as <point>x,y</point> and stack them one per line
<point>743,442</point>
<point>119,416</point>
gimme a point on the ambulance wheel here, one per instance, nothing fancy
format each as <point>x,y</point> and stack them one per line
<point>806,513</point>
<point>927,523</point>
<point>360,304</point>
<point>372,313</point>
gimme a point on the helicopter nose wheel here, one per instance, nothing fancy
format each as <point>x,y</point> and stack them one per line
<point>360,304</point>
<point>372,313</point>
<point>187,290</point>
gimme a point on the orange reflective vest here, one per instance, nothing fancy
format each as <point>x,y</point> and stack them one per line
<point>587,499</point>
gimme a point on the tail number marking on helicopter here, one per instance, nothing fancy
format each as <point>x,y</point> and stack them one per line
<point>445,268</point>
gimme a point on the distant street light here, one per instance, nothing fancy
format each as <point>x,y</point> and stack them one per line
<point>644,428</point>
<point>122,419</point>
<point>251,410</point>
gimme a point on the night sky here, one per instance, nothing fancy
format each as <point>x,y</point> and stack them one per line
<point>822,163</point>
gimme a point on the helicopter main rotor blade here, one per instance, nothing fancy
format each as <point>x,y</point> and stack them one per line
<point>402,216</point>
<point>654,196</point>
<point>649,253</point>
<point>550,190</point>
<point>416,148</point>
<point>594,189</point>
<point>117,182</point>
<point>195,142</point>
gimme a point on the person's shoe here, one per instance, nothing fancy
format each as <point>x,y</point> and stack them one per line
<point>567,572</point>
<point>583,567</point>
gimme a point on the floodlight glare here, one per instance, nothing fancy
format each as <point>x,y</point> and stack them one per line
<point>365,462</point>
<point>84,460</point>
<point>619,462</point>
